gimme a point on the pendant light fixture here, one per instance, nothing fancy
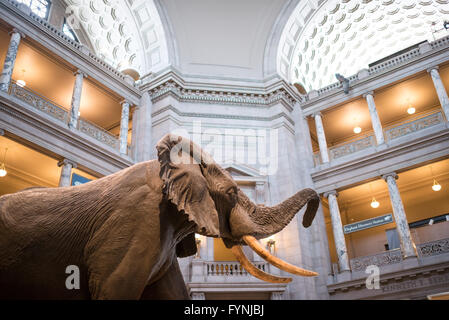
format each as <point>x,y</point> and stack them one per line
<point>374,203</point>
<point>411,109</point>
<point>21,82</point>
<point>436,186</point>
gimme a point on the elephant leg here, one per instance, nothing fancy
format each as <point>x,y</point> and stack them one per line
<point>170,286</point>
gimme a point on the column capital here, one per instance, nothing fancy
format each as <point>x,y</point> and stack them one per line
<point>64,162</point>
<point>316,113</point>
<point>77,72</point>
<point>369,93</point>
<point>331,192</point>
<point>391,174</point>
<point>429,70</point>
<point>125,101</point>
<point>15,30</point>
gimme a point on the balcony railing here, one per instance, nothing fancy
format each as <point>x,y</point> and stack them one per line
<point>424,250</point>
<point>390,133</point>
<point>98,133</point>
<point>351,147</point>
<point>413,126</point>
<point>57,112</point>
<point>380,259</point>
<point>38,102</point>
<point>230,268</point>
<point>433,248</point>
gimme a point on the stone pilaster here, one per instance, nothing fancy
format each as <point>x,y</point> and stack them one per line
<point>66,172</point>
<point>76,99</point>
<point>210,248</point>
<point>124,122</point>
<point>441,90</point>
<point>321,137</point>
<point>10,60</point>
<point>337,228</point>
<point>142,129</point>
<point>407,246</point>
<point>375,121</point>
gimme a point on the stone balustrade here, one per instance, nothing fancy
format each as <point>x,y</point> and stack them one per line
<point>360,264</point>
<point>424,250</point>
<point>39,103</point>
<point>351,147</point>
<point>98,133</point>
<point>230,268</point>
<point>413,126</point>
<point>433,248</point>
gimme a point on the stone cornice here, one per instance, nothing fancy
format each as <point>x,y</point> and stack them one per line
<point>172,83</point>
<point>221,116</point>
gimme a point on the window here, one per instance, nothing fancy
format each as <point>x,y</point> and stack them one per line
<point>68,31</point>
<point>39,7</point>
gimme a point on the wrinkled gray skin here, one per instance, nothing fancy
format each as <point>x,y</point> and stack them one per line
<point>125,231</point>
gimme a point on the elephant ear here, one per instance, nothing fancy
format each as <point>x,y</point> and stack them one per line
<point>184,183</point>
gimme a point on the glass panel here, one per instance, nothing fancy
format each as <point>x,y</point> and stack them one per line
<point>38,7</point>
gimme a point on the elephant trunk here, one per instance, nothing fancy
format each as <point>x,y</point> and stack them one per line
<point>260,221</point>
<point>249,221</point>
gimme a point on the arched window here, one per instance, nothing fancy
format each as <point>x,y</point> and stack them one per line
<point>39,7</point>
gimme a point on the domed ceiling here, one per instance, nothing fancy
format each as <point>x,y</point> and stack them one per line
<point>125,33</point>
<point>323,38</point>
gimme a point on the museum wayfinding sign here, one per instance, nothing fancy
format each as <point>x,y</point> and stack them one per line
<point>369,223</point>
<point>77,179</point>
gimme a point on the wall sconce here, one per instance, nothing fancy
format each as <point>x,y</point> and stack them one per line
<point>271,244</point>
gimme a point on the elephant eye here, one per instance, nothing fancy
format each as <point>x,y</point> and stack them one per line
<point>232,190</point>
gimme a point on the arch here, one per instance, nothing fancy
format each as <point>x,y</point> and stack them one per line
<point>128,34</point>
<point>324,37</point>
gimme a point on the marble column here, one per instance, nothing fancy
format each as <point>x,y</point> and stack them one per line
<point>337,228</point>
<point>76,99</point>
<point>124,128</point>
<point>375,121</point>
<point>321,137</point>
<point>142,143</point>
<point>441,90</point>
<point>66,172</point>
<point>210,248</point>
<point>407,246</point>
<point>10,60</point>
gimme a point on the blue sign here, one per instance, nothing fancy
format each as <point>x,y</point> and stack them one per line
<point>369,223</point>
<point>77,179</point>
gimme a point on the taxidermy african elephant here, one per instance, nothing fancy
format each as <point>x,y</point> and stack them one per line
<point>125,231</point>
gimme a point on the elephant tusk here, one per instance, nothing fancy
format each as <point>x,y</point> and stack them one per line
<point>255,245</point>
<point>252,269</point>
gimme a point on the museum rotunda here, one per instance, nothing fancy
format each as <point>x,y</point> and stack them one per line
<point>349,98</point>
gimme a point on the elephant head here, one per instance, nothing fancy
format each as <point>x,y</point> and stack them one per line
<point>210,198</point>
